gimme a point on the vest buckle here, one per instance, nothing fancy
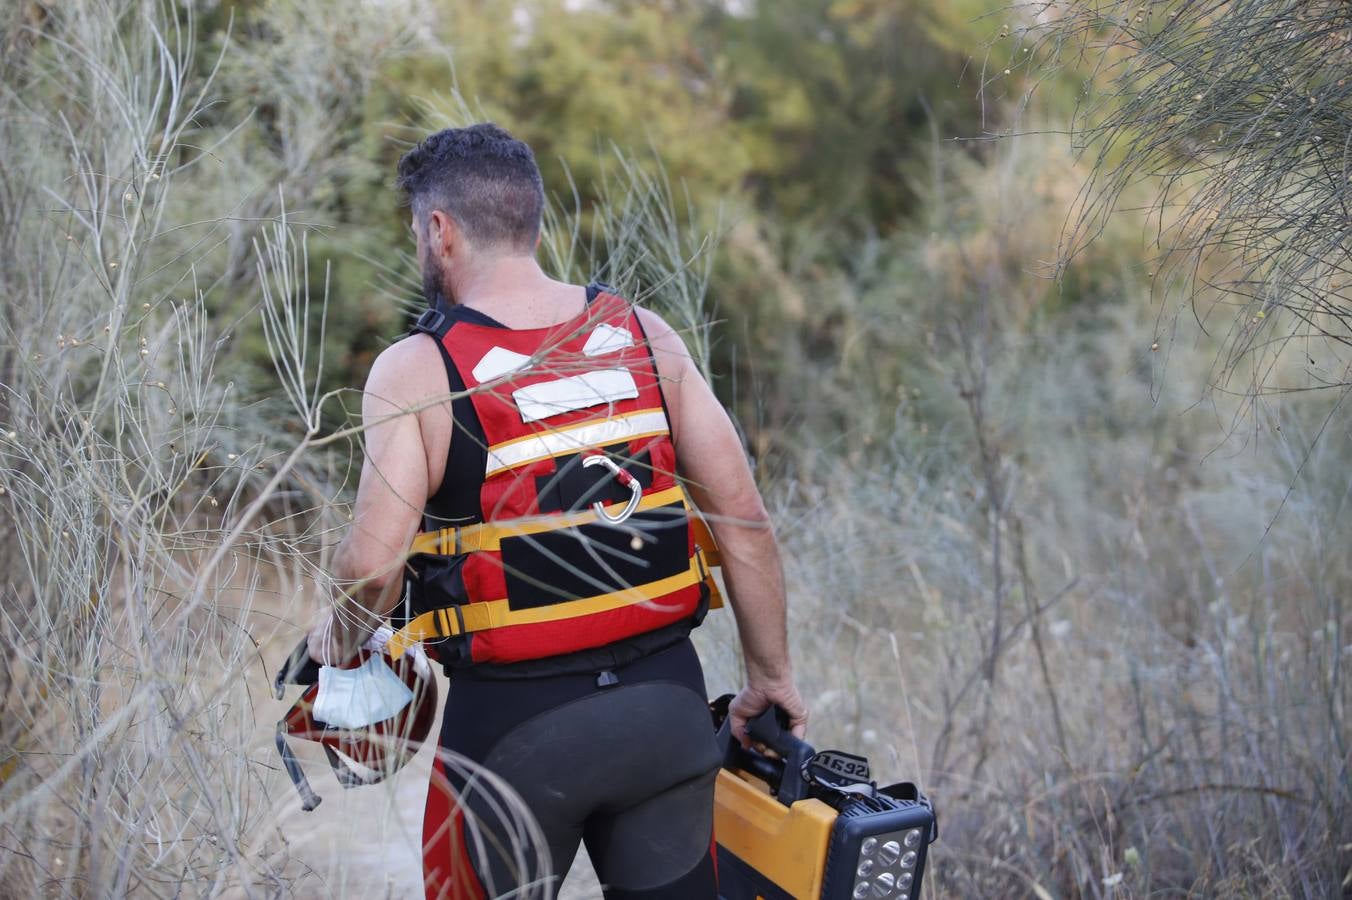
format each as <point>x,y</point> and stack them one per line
<point>431,321</point>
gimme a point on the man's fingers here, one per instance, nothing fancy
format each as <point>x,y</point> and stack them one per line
<point>739,730</point>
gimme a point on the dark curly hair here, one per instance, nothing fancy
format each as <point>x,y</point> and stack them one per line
<point>483,178</point>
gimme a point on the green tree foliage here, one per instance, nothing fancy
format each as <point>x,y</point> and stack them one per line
<point>794,128</point>
<point>812,107</point>
<point>835,100</point>
<point>572,82</point>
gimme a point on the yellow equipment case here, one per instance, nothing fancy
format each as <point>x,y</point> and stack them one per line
<point>795,823</point>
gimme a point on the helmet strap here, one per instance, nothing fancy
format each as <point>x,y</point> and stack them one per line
<point>308,798</point>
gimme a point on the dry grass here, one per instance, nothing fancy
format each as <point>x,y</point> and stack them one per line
<point>1103,626</point>
<point>166,532</point>
<point>1101,622</point>
<point>1236,114</point>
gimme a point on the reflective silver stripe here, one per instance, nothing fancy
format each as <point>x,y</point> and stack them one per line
<point>570,440</point>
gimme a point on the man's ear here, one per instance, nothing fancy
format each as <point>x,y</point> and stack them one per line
<point>442,233</point>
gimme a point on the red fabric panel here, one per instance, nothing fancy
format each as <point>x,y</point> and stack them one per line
<point>484,579</point>
<point>467,344</point>
<point>713,852</point>
<point>511,494</point>
<point>519,642</point>
<point>448,873</point>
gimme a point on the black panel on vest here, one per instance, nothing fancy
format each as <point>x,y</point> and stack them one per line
<point>571,487</point>
<point>438,581</point>
<point>456,501</point>
<point>572,563</point>
<point>475,317</point>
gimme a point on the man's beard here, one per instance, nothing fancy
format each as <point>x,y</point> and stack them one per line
<point>433,280</point>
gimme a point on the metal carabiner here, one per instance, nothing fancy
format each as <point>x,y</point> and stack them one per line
<point>629,481</point>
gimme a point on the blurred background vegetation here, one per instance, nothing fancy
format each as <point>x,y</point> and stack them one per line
<point>1056,550</point>
<point>801,134</point>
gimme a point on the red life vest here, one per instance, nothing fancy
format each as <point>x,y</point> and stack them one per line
<point>583,535</point>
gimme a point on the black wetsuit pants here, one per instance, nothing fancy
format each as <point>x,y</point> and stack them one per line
<point>626,767</point>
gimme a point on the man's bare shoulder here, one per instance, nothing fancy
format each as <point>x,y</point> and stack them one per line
<point>669,350</point>
<point>653,325</point>
<point>408,371</point>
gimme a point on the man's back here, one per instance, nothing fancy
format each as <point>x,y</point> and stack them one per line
<point>617,749</point>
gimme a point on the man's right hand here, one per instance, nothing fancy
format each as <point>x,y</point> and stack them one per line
<point>298,668</point>
<point>756,698</point>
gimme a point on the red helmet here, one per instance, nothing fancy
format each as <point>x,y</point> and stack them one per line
<point>371,715</point>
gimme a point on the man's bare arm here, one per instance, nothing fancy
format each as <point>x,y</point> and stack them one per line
<point>710,457</point>
<point>369,563</point>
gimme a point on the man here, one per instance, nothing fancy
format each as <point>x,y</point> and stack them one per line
<point>584,695</point>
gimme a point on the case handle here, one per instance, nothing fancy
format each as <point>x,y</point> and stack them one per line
<point>770,728</point>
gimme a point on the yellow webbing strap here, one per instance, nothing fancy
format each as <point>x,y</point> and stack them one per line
<point>703,559</point>
<point>488,536</point>
<point>471,617</point>
<point>705,539</point>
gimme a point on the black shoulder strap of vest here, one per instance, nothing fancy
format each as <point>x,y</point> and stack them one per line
<point>436,320</point>
<point>596,289</point>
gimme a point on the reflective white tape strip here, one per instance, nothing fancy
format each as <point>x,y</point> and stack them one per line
<point>571,440</point>
<point>562,395</point>
<point>607,339</point>
<point>498,362</point>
